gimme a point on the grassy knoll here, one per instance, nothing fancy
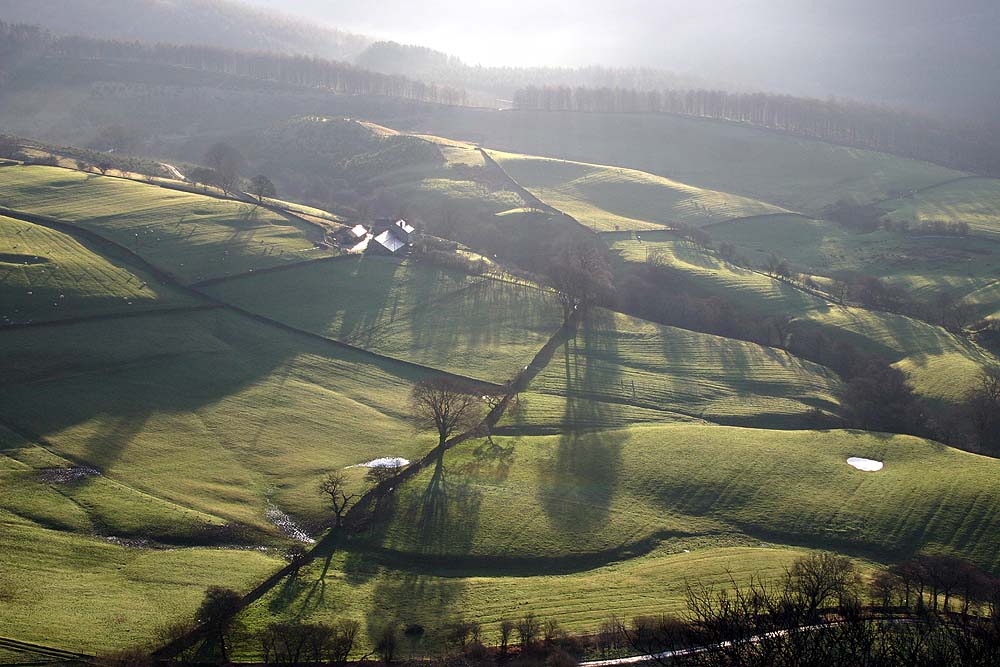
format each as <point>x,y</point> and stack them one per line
<point>193,236</point>
<point>924,266</point>
<point>595,494</point>
<point>376,591</point>
<point>795,173</point>
<point>483,328</point>
<point>256,414</point>
<point>414,175</point>
<point>972,200</point>
<point>617,364</point>
<point>88,594</point>
<point>612,198</point>
<point>46,275</point>
<point>47,489</point>
<point>578,527</point>
<point>941,365</point>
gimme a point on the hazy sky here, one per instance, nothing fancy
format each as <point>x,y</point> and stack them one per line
<point>571,32</point>
<point>883,50</point>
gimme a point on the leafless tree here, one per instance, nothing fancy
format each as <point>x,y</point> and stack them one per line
<point>506,630</point>
<point>822,578</point>
<point>446,405</point>
<point>387,643</point>
<point>527,631</point>
<point>334,486</point>
<point>261,187</point>
<point>227,162</point>
<point>218,613</point>
<point>581,276</point>
<point>345,632</point>
<point>983,405</point>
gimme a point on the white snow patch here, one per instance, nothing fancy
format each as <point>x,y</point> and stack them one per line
<point>384,462</point>
<point>865,465</point>
<point>287,526</point>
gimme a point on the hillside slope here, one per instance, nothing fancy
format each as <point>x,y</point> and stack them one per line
<point>222,23</point>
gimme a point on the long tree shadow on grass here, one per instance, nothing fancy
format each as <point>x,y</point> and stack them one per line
<point>579,480</point>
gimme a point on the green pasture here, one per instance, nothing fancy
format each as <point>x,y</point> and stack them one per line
<point>376,590</point>
<point>611,494</point>
<point>479,327</point>
<point>195,237</point>
<point>48,275</point>
<point>795,173</point>
<point>207,412</point>
<point>617,365</point>
<point>975,201</point>
<point>90,595</point>
<point>924,266</point>
<point>613,198</point>
<point>941,365</point>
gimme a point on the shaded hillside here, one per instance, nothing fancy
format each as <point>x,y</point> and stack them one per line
<point>219,23</point>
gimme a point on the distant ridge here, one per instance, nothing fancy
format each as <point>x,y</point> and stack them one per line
<point>218,23</point>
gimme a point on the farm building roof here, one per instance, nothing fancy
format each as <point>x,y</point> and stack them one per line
<point>390,241</point>
<point>405,226</point>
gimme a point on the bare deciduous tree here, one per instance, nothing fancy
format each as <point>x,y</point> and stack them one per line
<point>387,643</point>
<point>446,405</point>
<point>822,578</point>
<point>345,632</point>
<point>261,187</point>
<point>506,630</point>
<point>227,162</point>
<point>983,405</point>
<point>527,631</point>
<point>218,613</point>
<point>334,486</point>
<point>581,275</point>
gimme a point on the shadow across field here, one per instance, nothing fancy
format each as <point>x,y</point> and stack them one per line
<point>580,477</point>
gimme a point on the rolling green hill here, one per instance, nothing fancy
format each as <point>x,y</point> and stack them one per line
<point>267,412</point>
<point>579,527</point>
<point>410,175</point>
<point>975,201</point>
<point>592,493</point>
<point>619,369</point>
<point>479,327</point>
<point>611,198</point>
<point>940,365</point>
<point>794,173</point>
<point>46,275</point>
<point>924,266</point>
<point>194,237</point>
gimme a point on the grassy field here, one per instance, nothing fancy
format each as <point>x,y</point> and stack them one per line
<point>482,328</point>
<point>924,266</point>
<point>612,198</point>
<point>975,201</point>
<point>795,173</point>
<point>597,494</point>
<point>941,365</point>
<point>194,237</point>
<point>376,590</point>
<point>617,364</point>
<point>414,175</point>
<point>95,595</point>
<point>47,275</point>
<point>258,415</point>
<point>617,521</point>
<point>63,562</point>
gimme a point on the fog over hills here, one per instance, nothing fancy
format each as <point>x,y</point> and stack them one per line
<point>924,54</point>
<point>220,23</point>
